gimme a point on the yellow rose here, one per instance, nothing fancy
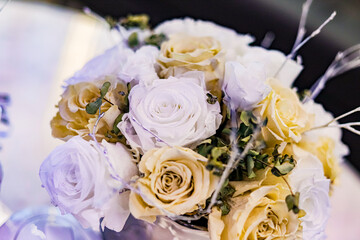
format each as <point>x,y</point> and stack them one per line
<point>175,179</point>
<point>182,53</point>
<point>287,118</point>
<point>323,149</point>
<point>72,118</point>
<point>261,214</point>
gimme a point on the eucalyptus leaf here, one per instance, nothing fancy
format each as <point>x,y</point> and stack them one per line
<point>104,89</point>
<point>93,107</point>
<point>133,40</point>
<point>156,39</point>
<point>245,118</point>
<point>250,164</point>
<point>285,168</point>
<point>116,130</point>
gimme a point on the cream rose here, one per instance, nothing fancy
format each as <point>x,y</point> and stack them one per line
<point>324,143</point>
<point>232,42</point>
<point>183,53</point>
<point>287,118</point>
<point>172,112</point>
<point>261,214</point>
<point>175,180</point>
<point>72,118</point>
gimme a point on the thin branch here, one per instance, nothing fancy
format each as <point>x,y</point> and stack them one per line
<point>343,62</point>
<point>301,30</point>
<point>302,43</point>
<point>348,126</point>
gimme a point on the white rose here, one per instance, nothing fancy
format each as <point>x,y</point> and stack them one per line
<point>122,63</point>
<point>77,177</point>
<point>141,66</point>
<point>273,60</point>
<point>308,179</point>
<point>107,64</point>
<point>244,86</point>
<point>230,40</point>
<point>175,110</point>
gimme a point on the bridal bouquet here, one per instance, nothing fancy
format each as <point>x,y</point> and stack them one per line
<point>188,122</point>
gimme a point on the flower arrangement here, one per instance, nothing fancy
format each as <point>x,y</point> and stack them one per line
<point>188,122</point>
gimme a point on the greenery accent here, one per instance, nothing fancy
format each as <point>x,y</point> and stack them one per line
<point>156,40</point>
<point>93,107</point>
<point>133,40</point>
<point>135,21</point>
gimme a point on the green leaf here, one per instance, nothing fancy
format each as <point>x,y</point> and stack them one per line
<point>290,202</point>
<point>93,107</point>
<point>133,40</point>
<point>250,164</point>
<point>135,21</point>
<point>117,120</point>
<point>156,39</point>
<point>225,209</point>
<point>284,168</point>
<point>104,89</point>
<point>245,118</point>
<point>216,152</point>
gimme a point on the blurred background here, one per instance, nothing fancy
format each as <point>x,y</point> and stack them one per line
<point>44,42</point>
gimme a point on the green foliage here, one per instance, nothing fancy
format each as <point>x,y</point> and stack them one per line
<point>282,164</point>
<point>133,40</point>
<point>135,21</point>
<point>115,129</point>
<point>292,202</point>
<point>93,107</point>
<point>156,40</point>
<point>104,89</point>
<point>225,194</point>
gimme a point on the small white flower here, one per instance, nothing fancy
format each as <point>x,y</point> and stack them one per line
<point>272,61</point>
<point>244,86</point>
<point>141,66</point>
<point>172,112</point>
<point>308,179</point>
<point>109,63</point>
<point>122,63</point>
<point>77,177</point>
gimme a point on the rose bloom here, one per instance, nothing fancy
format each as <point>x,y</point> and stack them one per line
<point>175,180</point>
<point>261,214</point>
<point>308,179</point>
<point>272,60</point>
<point>287,118</point>
<point>244,86</point>
<point>172,112</point>
<point>324,143</point>
<point>183,53</point>
<point>72,118</point>
<point>77,177</point>
<point>232,42</point>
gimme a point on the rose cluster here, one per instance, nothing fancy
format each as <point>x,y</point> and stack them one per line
<point>154,126</point>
